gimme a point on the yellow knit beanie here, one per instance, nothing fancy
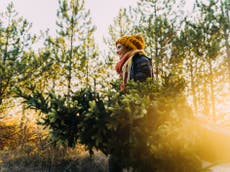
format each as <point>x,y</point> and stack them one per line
<point>135,42</point>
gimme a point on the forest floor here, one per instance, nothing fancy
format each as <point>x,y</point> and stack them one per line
<point>76,163</point>
<point>82,163</point>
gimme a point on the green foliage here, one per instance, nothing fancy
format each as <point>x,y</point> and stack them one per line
<point>147,124</point>
<point>14,40</point>
<point>144,126</point>
<point>75,42</point>
<point>62,113</point>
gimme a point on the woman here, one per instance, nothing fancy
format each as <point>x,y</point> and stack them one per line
<point>133,63</point>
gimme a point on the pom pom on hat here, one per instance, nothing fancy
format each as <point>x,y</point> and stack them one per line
<point>135,42</point>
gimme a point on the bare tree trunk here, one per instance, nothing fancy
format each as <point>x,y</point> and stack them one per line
<point>69,76</point>
<point>193,88</point>
<point>228,54</point>
<point>212,90</point>
<point>156,46</point>
<point>206,103</point>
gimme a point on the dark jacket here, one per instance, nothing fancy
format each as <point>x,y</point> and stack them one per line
<point>141,68</point>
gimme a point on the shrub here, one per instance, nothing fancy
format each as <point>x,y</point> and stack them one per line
<point>144,126</point>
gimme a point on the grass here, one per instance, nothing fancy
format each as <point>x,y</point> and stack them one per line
<point>56,161</point>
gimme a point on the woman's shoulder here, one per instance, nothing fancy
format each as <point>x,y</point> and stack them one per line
<point>140,58</point>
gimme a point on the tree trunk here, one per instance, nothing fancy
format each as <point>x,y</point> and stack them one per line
<point>205,91</point>
<point>212,90</point>
<point>193,88</point>
<point>226,35</point>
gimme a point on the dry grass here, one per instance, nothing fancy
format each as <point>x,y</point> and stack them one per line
<point>62,160</point>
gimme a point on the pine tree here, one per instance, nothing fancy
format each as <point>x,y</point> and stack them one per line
<point>159,23</point>
<point>68,63</point>
<point>14,41</point>
<point>225,25</point>
<point>211,38</point>
<point>75,43</point>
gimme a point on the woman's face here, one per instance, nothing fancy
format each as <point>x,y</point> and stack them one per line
<point>121,49</point>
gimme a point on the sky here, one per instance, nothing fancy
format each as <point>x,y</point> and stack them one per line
<point>42,13</point>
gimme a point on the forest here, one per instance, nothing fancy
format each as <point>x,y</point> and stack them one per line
<point>61,108</point>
